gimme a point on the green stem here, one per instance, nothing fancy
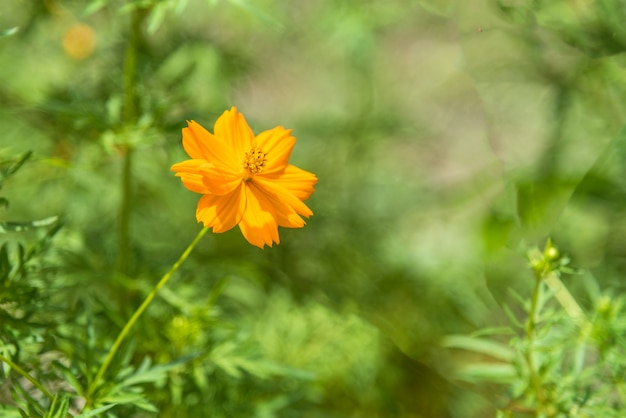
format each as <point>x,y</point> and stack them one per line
<point>24,374</point>
<point>123,255</point>
<point>133,319</point>
<point>532,314</point>
<point>129,114</point>
<point>531,326</point>
<point>129,117</point>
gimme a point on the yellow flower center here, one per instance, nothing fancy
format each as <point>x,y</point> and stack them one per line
<point>254,161</point>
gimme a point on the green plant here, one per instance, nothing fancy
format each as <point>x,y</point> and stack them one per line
<point>557,361</point>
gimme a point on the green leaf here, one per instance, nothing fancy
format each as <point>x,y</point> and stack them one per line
<point>157,16</point>
<point>129,391</point>
<point>493,331</point>
<point>58,409</point>
<point>9,167</point>
<point>509,313</point>
<point>146,374</point>
<point>23,226</point>
<point>7,411</point>
<point>478,345</point>
<point>5,263</point>
<point>9,32</point>
<point>70,377</point>
<point>95,412</point>
<point>129,398</point>
<point>95,6</point>
<point>25,400</point>
<point>490,372</point>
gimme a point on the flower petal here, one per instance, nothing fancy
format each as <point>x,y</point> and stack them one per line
<point>218,179</point>
<point>201,176</point>
<point>232,129</point>
<point>201,144</point>
<point>196,140</point>
<point>188,173</point>
<point>222,212</point>
<point>193,182</point>
<point>277,144</point>
<point>286,215</point>
<point>284,202</point>
<point>188,166</point>
<point>298,182</point>
<point>258,224</point>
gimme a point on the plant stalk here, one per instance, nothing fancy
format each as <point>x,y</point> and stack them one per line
<point>140,310</point>
<point>531,325</point>
<point>28,377</point>
<point>129,117</point>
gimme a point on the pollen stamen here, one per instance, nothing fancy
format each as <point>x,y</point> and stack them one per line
<point>254,160</point>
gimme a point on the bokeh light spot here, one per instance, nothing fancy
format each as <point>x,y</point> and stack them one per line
<point>79,41</point>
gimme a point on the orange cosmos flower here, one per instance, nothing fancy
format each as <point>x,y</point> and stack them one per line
<point>245,180</point>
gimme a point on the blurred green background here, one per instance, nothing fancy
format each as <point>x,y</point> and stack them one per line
<point>447,136</point>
